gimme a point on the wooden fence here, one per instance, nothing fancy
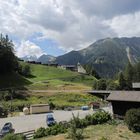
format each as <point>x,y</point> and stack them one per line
<point>28,134</point>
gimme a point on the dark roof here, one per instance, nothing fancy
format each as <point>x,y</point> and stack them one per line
<point>99,92</point>
<point>39,105</point>
<point>131,96</point>
<point>136,85</point>
<point>70,66</point>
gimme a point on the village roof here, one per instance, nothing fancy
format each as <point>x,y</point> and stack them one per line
<point>69,66</point>
<point>136,85</point>
<point>131,96</point>
<point>39,105</point>
<point>100,92</point>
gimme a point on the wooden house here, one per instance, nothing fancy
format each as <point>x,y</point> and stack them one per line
<point>122,101</point>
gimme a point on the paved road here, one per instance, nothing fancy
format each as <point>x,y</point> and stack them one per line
<point>32,122</point>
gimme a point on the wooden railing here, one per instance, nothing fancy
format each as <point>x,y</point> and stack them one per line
<point>28,134</point>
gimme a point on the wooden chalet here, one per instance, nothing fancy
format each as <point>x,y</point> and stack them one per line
<point>122,101</point>
<point>68,67</point>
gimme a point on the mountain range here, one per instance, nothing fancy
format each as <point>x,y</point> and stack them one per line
<point>44,59</point>
<point>108,56</point>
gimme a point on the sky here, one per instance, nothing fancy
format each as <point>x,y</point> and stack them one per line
<point>56,27</point>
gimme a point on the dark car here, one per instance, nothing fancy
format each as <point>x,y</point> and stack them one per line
<point>7,128</point>
<point>50,120</point>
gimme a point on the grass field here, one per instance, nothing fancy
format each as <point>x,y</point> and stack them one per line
<point>59,99</point>
<point>46,77</point>
<point>50,78</point>
<point>96,132</point>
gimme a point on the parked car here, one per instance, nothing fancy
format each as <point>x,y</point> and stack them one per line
<point>85,108</point>
<point>7,128</point>
<point>50,120</point>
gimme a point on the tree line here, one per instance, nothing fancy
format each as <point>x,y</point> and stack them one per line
<point>8,60</point>
<point>122,81</point>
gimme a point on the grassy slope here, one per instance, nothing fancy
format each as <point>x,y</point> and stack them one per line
<point>45,77</point>
<point>59,99</point>
<point>96,132</point>
<point>50,78</point>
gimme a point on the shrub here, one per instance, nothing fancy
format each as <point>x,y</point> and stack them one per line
<point>13,137</point>
<point>52,105</point>
<point>25,70</point>
<point>3,112</point>
<point>100,117</point>
<point>101,85</point>
<point>75,126</point>
<point>56,129</point>
<point>115,122</point>
<point>79,123</point>
<point>41,132</point>
<point>88,119</point>
<point>132,119</point>
<point>53,130</point>
<point>111,85</point>
<point>74,132</point>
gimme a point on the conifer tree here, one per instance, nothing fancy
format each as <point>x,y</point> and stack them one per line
<point>8,60</point>
<point>122,81</point>
<point>129,73</point>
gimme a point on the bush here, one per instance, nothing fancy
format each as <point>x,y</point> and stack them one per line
<point>53,130</point>
<point>111,85</point>
<point>79,123</point>
<point>100,117</point>
<point>41,132</point>
<point>101,85</point>
<point>13,137</point>
<point>3,112</point>
<point>132,119</point>
<point>52,105</point>
<point>74,132</point>
<point>75,126</point>
<point>88,119</point>
<point>25,70</point>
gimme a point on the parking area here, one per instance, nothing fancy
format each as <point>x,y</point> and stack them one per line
<point>32,122</point>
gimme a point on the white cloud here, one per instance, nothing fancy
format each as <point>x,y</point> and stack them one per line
<point>126,25</point>
<point>73,24</point>
<point>28,48</point>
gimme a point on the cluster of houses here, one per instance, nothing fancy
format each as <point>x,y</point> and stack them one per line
<point>77,68</point>
<point>121,100</point>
